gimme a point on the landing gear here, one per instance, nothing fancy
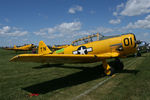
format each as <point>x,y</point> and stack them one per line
<point>108,70</point>
<point>116,66</point>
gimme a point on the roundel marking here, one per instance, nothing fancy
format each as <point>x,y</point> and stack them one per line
<point>82,50</point>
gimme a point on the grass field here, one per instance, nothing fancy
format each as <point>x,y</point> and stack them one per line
<point>73,81</point>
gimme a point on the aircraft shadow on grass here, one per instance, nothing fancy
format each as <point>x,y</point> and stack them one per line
<point>47,66</point>
<point>130,71</point>
<point>86,74</point>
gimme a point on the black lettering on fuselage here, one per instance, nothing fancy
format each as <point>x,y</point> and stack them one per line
<point>126,41</point>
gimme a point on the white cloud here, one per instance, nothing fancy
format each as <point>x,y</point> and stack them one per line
<point>115,13</point>
<point>69,27</point>
<point>136,7</point>
<point>117,21</point>
<point>11,31</point>
<point>42,32</point>
<point>70,30</point>
<point>140,24</point>
<point>118,8</point>
<point>75,9</point>
<point>102,30</point>
<point>64,29</point>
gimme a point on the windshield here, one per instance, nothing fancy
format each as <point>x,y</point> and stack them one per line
<point>91,38</point>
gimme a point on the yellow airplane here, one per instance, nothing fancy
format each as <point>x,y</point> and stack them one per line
<point>22,48</point>
<point>55,47</point>
<point>85,50</point>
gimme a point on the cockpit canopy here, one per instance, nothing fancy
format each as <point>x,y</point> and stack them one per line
<point>91,38</point>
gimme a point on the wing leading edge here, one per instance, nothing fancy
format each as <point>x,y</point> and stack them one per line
<point>62,58</point>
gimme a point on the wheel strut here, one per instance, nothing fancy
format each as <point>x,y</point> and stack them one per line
<point>108,70</point>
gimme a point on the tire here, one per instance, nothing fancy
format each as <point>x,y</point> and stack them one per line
<point>111,71</point>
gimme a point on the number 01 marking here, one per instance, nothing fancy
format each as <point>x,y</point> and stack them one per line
<point>127,41</point>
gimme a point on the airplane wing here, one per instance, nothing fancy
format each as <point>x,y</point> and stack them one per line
<point>62,58</point>
<point>8,48</point>
<point>44,56</point>
<point>15,49</point>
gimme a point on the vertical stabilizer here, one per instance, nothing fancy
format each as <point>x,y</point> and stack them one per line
<point>15,46</point>
<point>43,49</point>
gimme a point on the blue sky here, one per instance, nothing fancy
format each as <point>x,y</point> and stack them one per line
<point>62,21</point>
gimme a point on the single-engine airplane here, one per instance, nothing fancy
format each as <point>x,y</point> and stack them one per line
<point>85,50</point>
<point>22,48</point>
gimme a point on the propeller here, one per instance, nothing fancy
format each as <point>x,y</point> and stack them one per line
<point>138,42</point>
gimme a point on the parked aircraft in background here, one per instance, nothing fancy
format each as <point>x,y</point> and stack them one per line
<point>142,48</point>
<point>22,48</point>
<point>87,50</point>
<point>57,47</point>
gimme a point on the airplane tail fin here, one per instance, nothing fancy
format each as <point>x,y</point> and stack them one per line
<point>15,46</point>
<point>43,49</point>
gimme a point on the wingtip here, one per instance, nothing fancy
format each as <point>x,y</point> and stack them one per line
<point>13,59</point>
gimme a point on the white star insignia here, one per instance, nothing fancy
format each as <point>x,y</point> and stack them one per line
<point>82,51</point>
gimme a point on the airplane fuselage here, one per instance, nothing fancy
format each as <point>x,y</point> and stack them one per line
<point>123,44</point>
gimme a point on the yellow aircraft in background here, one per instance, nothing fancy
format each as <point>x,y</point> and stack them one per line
<point>22,48</point>
<point>86,50</point>
<point>57,47</point>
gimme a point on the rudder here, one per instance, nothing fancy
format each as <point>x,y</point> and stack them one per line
<point>43,49</point>
<point>15,46</point>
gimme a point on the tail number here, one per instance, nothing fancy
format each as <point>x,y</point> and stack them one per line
<point>43,49</point>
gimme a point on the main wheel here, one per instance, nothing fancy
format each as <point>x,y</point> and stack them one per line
<point>110,72</point>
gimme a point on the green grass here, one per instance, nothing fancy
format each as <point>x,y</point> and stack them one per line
<point>64,82</point>
<point>131,84</point>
